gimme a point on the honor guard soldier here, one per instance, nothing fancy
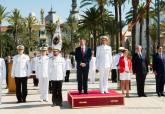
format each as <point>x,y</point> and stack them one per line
<point>42,74</point>
<point>33,65</point>
<point>56,76</point>
<point>104,63</point>
<point>21,70</point>
<point>2,75</point>
<point>68,67</point>
<point>50,54</point>
<point>92,68</point>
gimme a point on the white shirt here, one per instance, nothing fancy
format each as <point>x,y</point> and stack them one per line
<point>92,64</point>
<point>103,57</point>
<point>116,59</point>
<point>126,64</point>
<point>33,63</point>
<point>2,69</point>
<point>42,67</point>
<point>68,64</point>
<point>21,66</point>
<point>57,68</point>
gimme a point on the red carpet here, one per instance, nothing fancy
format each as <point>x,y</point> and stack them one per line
<point>94,98</point>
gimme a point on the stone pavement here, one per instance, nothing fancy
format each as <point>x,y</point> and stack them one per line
<point>133,105</point>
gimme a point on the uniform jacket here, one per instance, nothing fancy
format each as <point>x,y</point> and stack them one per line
<point>42,67</point>
<point>103,57</point>
<point>21,66</point>
<point>2,69</point>
<point>56,68</point>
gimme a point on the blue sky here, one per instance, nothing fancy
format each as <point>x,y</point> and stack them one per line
<point>62,7</point>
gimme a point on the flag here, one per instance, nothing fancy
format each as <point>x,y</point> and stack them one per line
<point>57,39</point>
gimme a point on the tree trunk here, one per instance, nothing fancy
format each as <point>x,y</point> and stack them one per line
<point>0,40</point>
<point>147,32</point>
<point>95,40</point>
<point>120,25</point>
<point>140,36</point>
<point>116,25</point>
<point>134,4</point>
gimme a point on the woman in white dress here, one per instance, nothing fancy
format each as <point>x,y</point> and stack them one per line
<point>125,68</point>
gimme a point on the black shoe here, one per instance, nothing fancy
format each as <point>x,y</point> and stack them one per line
<point>158,94</point>
<point>19,101</point>
<point>24,100</point>
<point>85,92</point>
<point>162,94</point>
<point>53,105</point>
<point>79,92</point>
<point>144,95</point>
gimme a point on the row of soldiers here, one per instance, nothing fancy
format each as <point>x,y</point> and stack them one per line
<point>53,68</point>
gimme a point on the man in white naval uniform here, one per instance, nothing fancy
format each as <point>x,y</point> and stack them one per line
<point>21,70</point>
<point>42,74</point>
<point>104,63</point>
<point>92,68</point>
<point>50,55</point>
<point>33,66</point>
<point>2,75</point>
<point>56,75</point>
<point>68,67</point>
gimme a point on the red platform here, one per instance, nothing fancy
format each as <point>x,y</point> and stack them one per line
<point>94,98</point>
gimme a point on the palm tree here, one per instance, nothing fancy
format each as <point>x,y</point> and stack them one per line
<point>129,18</point>
<point>3,15</point>
<point>134,5</point>
<point>72,24</point>
<point>153,35</point>
<point>15,19</point>
<point>92,22</point>
<point>30,21</point>
<point>101,8</point>
<point>50,28</point>
<point>147,30</point>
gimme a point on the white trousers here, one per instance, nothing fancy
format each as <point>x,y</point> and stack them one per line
<point>92,75</point>
<point>43,88</point>
<point>104,74</point>
<point>0,90</point>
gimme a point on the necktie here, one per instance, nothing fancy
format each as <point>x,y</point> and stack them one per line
<point>82,51</point>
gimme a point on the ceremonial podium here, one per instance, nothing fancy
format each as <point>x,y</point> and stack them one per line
<point>94,99</point>
<point>11,81</point>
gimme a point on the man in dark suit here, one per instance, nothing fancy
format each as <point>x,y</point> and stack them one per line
<point>159,70</point>
<point>140,69</point>
<point>83,57</point>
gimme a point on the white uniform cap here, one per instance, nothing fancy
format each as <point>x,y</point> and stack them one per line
<point>121,48</point>
<point>104,37</point>
<point>20,47</point>
<point>43,48</point>
<point>56,49</point>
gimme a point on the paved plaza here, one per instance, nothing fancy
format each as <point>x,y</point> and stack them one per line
<point>133,105</point>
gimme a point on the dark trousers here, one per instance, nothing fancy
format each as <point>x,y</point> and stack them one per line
<point>67,76</point>
<point>57,92</point>
<point>160,80</point>
<point>35,80</point>
<point>50,86</point>
<point>140,81</point>
<point>82,78</point>
<point>114,75</point>
<point>21,88</point>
